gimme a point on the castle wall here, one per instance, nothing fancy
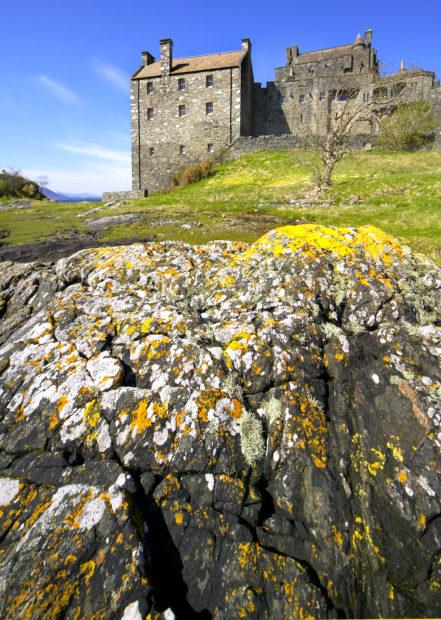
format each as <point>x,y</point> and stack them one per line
<point>297,100</point>
<point>167,132</point>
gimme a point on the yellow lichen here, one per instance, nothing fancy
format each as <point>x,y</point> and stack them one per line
<point>91,414</point>
<point>140,422</point>
<point>341,241</point>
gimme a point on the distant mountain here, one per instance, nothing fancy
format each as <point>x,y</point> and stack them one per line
<point>58,197</point>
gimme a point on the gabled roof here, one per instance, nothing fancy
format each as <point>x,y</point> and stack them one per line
<point>192,64</point>
<point>330,52</point>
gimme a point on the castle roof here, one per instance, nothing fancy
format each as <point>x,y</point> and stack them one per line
<point>192,64</point>
<point>329,52</point>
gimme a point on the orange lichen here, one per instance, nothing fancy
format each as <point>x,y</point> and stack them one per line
<point>61,403</point>
<point>402,476</point>
<point>337,536</point>
<point>140,422</point>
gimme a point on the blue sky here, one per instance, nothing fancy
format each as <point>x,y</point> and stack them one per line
<point>65,66</point>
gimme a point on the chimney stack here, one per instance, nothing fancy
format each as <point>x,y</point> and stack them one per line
<point>147,58</point>
<point>166,46</point>
<point>246,45</point>
<point>368,37</point>
<point>291,53</point>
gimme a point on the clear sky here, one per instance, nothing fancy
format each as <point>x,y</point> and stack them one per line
<point>65,66</point>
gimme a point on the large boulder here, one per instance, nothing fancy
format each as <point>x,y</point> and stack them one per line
<point>222,431</point>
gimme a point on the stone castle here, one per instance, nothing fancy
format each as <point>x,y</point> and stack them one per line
<point>186,109</point>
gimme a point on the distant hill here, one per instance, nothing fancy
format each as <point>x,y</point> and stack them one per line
<point>70,197</point>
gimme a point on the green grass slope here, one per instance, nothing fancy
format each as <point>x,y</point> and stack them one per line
<point>398,192</point>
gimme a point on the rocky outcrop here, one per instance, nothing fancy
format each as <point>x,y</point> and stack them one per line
<point>222,431</point>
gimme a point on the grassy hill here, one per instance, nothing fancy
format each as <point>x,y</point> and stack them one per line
<point>398,192</point>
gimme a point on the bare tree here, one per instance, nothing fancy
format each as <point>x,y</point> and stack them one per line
<point>347,112</point>
<point>42,181</point>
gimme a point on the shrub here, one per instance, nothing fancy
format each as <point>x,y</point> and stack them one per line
<point>410,127</point>
<point>191,174</point>
<point>12,184</point>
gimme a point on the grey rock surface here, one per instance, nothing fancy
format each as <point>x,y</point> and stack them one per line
<point>222,431</point>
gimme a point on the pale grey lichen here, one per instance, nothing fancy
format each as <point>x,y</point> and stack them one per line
<point>251,438</point>
<point>272,409</point>
<point>341,287</point>
<point>395,380</point>
<point>420,287</point>
<point>330,330</point>
<point>316,404</point>
<point>354,326</point>
<point>232,387</point>
<point>412,330</point>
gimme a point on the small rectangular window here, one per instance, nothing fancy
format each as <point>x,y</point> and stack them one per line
<point>149,88</point>
<point>209,108</point>
<point>182,149</point>
<point>210,148</point>
<point>209,81</point>
<point>182,110</point>
<point>365,97</point>
<point>322,96</point>
<point>151,151</point>
<point>181,84</point>
<point>301,98</point>
<point>150,113</point>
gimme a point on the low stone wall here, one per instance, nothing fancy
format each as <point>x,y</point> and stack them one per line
<point>109,196</point>
<point>252,144</point>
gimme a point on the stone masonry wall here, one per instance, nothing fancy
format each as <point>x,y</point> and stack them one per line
<point>110,196</point>
<point>295,101</point>
<point>253,144</point>
<point>166,132</point>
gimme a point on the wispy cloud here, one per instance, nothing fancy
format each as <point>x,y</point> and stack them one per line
<point>113,75</point>
<point>59,90</point>
<point>94,178</point>
<point>96,151</point>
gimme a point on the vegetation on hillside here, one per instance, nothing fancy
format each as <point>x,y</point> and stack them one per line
<point>192,174</point>
<point>410,127</point>
<point>14,185</point>
<point>397,192</point>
